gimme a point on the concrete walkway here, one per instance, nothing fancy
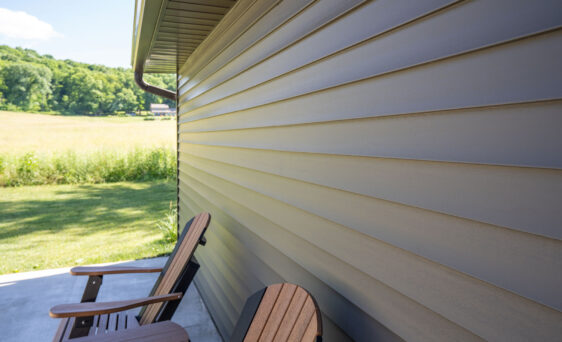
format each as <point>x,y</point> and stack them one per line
<point>25,300</point>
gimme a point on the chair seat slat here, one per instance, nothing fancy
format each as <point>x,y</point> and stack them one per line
<point>94,327</point>
<point>112,323</point>
<point>158,332</point>
<point>102,326</point>
<point>122,317</point>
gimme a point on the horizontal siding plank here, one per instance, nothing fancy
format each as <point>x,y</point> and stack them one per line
<point>218,287</point>
<point>492,254</point>
<point>438,136</point>
<point>444,291</point>
<point>400,161</point>
<point>302,24</point>
<point>483,73</point>
<point>259,273</point>
<point>213,303</point>
<point>235,32</point>
<point>241,276</point>
<point>399,313</point>
<point>398,49</point>
<point>356,319</point>
<point>390,307</point>
<point>266,24</point>
<point>238,258</point>
<point>475,192</point>
<point>223,277</point>
<point>395,14</point>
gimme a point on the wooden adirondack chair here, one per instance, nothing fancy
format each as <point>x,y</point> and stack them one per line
<point>90,318</point>
<point>278,313</point>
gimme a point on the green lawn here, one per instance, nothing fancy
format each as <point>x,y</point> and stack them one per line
<point>50,226</point>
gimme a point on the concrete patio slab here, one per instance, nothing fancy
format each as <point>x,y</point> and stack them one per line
<point>26,298</point>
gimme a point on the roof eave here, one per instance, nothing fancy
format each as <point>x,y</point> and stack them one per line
<point>143,34</point>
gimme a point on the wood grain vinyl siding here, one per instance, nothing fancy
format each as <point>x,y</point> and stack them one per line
<point>400,161</point>
<point>270,260</point>
<point>475,245</point>
<point>307,21</point>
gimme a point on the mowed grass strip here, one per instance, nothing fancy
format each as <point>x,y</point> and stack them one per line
<point>48,226</point>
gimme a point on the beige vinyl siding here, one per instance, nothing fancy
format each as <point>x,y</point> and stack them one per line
<point>400,160</point>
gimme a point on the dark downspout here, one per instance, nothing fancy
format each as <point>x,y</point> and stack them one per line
<point>152,89</point>
<point>177,157</point>
<point>172,96</point>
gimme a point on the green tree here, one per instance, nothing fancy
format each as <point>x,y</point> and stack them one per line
<point>26,85</point>
<point>30,81</point>
<point>83,93</point>
<point>125,100</point>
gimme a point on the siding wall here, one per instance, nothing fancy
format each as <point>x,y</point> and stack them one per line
<point>400,159</point>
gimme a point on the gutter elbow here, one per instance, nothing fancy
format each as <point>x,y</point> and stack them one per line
<point>152,89</point>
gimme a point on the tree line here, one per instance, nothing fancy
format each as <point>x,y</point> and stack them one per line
<point>33,82</point>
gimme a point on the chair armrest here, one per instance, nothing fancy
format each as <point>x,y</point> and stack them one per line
<point>101,270</point>
<point>91,308</point>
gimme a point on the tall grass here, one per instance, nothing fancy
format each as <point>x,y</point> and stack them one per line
<point>72,167</point>
<point>169,224</point>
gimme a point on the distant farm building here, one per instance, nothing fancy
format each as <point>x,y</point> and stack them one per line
<point>159,109</point>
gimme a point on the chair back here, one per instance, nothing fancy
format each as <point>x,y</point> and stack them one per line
<point>280,312</point>
<point>178,271</point>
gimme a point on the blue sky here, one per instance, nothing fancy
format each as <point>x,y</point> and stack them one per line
<point>91,31</point>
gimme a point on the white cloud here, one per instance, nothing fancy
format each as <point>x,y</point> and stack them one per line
<point>20,25</point>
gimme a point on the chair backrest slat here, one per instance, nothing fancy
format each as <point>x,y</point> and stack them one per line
<point>264,311</point>
<point>306,327</point>
<point>176,263</point>
<point>292,314</point>
<point>278,312</point>
<point>286,312</point>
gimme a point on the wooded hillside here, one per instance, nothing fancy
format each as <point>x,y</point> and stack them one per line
<point>33,82</point>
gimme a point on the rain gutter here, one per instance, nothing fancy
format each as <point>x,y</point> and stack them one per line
<point>153,89</point>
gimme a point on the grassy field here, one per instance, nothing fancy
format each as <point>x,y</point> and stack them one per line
<point>24,132</point>
<point>37,149</point>
<point>49,226</point>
